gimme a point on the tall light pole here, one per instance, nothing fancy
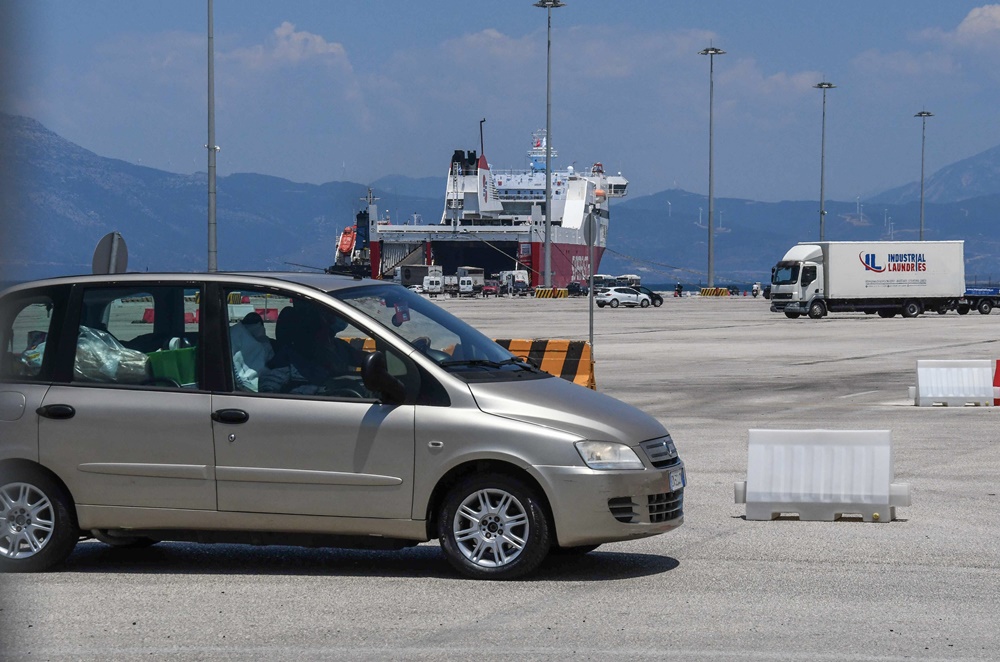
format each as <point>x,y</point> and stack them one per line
<point>212,149</point>
<point>822,161</point>
<point>923,115</point>
<point>548,5</point>
<point>711,52</point>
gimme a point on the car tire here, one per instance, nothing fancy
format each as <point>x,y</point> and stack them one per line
<point>644,303</point>
<point>493,526</point>
<point>614,303</point>
<point>37,520</point>
<point>984,307</point>
<point>600,305</point>
<point>657,303</point>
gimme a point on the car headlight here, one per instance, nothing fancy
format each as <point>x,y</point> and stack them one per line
<point>608,455</point>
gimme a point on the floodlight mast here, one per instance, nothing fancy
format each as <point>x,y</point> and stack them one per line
<point>548,5</point>
<point>923,115</point>
<point>711,52</point>
<point>822,160</point>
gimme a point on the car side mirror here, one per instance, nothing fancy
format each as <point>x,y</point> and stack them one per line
<point>376,377</point>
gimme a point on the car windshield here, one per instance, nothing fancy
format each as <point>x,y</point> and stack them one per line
<point>786,273</point>
<point>445,339</point>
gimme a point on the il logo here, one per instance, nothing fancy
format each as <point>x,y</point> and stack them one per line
<point>868,259</point>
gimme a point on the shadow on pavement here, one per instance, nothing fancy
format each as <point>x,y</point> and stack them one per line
<point>420,561</point>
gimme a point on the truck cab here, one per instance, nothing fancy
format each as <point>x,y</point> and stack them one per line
<point>797,282</point>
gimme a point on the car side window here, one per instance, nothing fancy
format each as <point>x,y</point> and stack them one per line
<point>25,332</point>
<point>139,335</point>
<point>282,344</point>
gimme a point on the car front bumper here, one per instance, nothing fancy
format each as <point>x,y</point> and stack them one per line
<point>591,507</point>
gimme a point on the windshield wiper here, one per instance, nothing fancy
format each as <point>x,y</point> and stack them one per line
<point>489,364</point>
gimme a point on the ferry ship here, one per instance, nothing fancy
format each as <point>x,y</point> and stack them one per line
<point>495,220</point>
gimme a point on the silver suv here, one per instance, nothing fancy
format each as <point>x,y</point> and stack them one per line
<point>303,409</point>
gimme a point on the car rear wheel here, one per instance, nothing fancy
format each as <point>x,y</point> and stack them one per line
<point>644,303</point>
<point>614,303</point>
<point>37,524</point>
<point>493,526</point>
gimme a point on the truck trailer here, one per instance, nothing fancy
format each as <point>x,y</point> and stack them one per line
<point>885,277</point>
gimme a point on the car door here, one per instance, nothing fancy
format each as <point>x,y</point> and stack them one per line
<point>303,439</point>
<point>118,426</point>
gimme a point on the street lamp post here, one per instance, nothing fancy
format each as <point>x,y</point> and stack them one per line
<point>711,52</point>
<point>822,162</point>
<point>548,5</point>
<point>923,115</point>
<point>212,149</point>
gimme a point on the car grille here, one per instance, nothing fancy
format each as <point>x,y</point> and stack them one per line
<point>661,454</point>
<point>667,506</point>
<point>661,508</point>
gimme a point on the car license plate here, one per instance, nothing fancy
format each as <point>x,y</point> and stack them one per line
<point>676,480</point>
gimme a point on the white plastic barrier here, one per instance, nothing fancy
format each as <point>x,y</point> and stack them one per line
<point>955,383</point>
<point>821,475</point>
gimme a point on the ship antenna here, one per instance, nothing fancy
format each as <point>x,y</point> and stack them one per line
<point>482,149</point>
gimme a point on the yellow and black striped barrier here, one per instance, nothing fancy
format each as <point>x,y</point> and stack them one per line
<point>714,292</point>
<point>571,360</point>
<point>551,293</point>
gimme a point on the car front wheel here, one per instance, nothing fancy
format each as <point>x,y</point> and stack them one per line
<point>37,525</point>
<point>493,526</point>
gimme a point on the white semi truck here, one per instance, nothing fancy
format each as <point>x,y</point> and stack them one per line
<point>884,277</point>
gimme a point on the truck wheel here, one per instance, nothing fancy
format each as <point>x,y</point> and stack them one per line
<point>963,309</point>
<point>912,309</point>
<point>817,310</point>
<point>886,314</point>
<point>790,315</point>
<point>984,307</point>
<point>943,309</point>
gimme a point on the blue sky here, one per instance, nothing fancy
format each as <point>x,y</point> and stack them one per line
<point>316,91</point>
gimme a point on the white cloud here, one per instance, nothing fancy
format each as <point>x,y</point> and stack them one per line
<point>289,46</point>
<point>979,30</point>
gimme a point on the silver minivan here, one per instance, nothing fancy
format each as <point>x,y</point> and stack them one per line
<point>304,409</point>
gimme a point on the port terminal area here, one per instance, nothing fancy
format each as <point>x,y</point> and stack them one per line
<point>711,369</point>
<point>922,587</point>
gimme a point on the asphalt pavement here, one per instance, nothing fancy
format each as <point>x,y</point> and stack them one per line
<point>925,586</point>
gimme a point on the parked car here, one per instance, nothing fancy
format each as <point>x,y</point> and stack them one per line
<point>576,289</point>
<point>417,289</point>
<point>654,298</point>
<point>491,288</point>
<point>621,296</point>
<point>303,409</point>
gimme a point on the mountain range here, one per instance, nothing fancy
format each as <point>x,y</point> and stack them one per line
<point>61,199</point>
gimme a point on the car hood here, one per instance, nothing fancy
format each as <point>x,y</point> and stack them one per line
<point>562,405</point>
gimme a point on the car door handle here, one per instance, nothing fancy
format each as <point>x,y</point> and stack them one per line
<point>58,412</point>
<point>230,416</point>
